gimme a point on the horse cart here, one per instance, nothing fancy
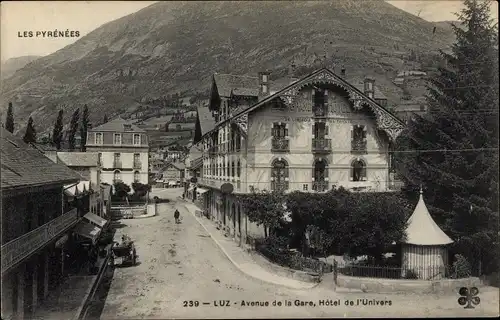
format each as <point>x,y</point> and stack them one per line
<point>124,253</point>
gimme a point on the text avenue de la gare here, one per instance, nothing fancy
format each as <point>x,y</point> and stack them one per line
<point>49,34</point>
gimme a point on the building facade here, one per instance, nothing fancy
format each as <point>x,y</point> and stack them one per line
<point>309,135</point>
<point>36,223</point>
<point>122,150</point>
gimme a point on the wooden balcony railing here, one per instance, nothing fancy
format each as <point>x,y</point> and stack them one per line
<point>20,248</point>
<point>280,145</point>
<point>320,186</point>
<point>322,145</point>
<point>137,165</point>
<point>358,145</point>
<point>279,185</point>
<point>320,110</point>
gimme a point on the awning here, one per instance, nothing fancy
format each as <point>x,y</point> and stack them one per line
<point>201,190</point>
<point>87,230</point>
<point>73,190</point>
<point>95,219</point>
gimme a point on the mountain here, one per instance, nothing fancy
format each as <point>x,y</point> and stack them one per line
<point>176,47</point>
<point>10,66</point>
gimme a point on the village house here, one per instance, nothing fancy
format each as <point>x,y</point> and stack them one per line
<point>193,165</point>
<point>36,223</point>
<point>122,150</point>
<point>309,134</point>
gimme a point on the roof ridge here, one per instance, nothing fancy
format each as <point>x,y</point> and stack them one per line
<point>236,75</point>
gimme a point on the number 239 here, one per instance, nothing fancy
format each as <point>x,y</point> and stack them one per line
<point>191,303</point>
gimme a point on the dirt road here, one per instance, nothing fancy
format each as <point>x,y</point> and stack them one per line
<point>183,274</point>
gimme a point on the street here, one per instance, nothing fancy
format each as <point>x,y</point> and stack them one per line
<point>180,268</point>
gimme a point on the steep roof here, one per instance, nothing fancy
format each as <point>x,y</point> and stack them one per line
<point>231,84</point>
<point>78,159</point>
<point>117,125</point>
<point>24,166</point>
<point>297,83</point>
<point>207,122</point>
<point>422,230</point>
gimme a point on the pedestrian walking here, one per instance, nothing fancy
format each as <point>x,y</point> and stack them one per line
<point>176,215</point>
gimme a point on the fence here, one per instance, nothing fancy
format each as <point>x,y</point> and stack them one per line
<point>394,272</point>
<point>293,260</point>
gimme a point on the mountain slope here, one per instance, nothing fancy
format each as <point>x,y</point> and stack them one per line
<point>10,66</point>
<point>176,46</point>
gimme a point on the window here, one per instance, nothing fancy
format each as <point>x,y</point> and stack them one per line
<point>320,171</point>
<point>279,175</point>
<point>358,170</point>
<point>238,169</point>
<point>137,176</point>
<point>98,138</point>
<point>264,78</point>
<point>358,132</point>
<point>305,187</point>
<point>117,176</point>
<point>232,169</point>
<point>99,158</point>
<point>137,139</point>
<point>117,138</point>
<point>264,88</point>
<point>279,130</point>
<point>319,97</point>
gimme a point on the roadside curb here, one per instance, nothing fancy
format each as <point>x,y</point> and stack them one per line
<point>236,264</point>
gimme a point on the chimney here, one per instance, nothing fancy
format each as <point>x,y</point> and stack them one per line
<point>264,83</point>
<point>342,72</point>
<point>369,83</point>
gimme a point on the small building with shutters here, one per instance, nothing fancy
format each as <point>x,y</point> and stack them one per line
<point>424,252</point>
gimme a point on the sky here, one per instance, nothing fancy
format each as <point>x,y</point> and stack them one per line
<point>85,16</point>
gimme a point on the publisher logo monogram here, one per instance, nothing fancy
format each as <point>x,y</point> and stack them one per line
<point>469,297</point>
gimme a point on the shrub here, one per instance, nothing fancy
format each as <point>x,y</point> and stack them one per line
<point>461,267</point>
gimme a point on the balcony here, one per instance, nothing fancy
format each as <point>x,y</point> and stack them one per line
<point>279,186</point>
<point>117,164</point>
<point>322,145</point>
<point>320,186</point>
<point>358,146</point>
<point>18,249</point>
<point>280,145</point>
<point>137,165</point>
<point>320,111</point>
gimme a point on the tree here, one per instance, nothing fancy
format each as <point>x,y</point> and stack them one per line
<point>140,189</point>
<point>57,133</point>
<point>30,135</point>
<point>73,127</point>
<point>121,190</point>
<point>460,132</point>
<point>105,119</point>
<point>9,121</point>
<point>84,127</point>
<point>265,208</point>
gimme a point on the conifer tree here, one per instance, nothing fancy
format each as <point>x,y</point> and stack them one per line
<point>30,135</point>
<point>453,150</point>
<point>75,118</point>
<point>57,133</point>
<point>9,121</point>
<point>84,127</point>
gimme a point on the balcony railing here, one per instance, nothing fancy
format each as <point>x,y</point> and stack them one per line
<point>279,186</point>
<point>320,186</point>
<point>320,111</point>
<point>117,164</point>
<point>322,145</point>
<point>20,248</point>
<point>137,165</point>
<point>280,145</point>
<point>358,145</point>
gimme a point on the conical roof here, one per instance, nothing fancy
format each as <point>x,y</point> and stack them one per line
<point>422,230</point>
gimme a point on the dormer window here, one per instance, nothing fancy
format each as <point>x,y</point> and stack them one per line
<point>127,127</point>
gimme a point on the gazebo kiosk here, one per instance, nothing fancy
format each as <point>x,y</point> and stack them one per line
<point>424,252</point>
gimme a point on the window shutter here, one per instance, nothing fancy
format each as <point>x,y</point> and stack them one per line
<point>326,130</point>
<point>363,173</point>
<point>314,130</point>
<point>286,130</point>
<point>326,171</point>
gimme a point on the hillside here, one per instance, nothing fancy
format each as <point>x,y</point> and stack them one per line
<point>10,66</point>
<point>176,47</point>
